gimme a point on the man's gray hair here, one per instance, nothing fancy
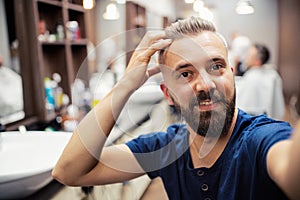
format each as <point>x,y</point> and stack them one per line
<point>189,27</point>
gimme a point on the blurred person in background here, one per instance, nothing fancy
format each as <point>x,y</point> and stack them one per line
<point>260,91</point>
<point>238,51</point>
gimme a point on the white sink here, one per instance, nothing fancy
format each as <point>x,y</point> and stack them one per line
<point>26,161</point>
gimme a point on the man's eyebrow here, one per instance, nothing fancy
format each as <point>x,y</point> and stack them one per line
<point>215,59</point>
<point>182,66</point>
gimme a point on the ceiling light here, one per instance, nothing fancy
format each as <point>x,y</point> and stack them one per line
<point>111,12</point>
<point>88,4</point>
<point>244,7</point>
<point>198,5</point>
<point>121,1</point>
<point>189,1</point>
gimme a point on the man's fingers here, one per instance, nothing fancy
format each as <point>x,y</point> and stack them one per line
<point>151,37</point>
<point>151,43</point>
<point>157,45</point>
<point>144,55</point>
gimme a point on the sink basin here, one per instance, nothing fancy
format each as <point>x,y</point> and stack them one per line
<point>27,160</point>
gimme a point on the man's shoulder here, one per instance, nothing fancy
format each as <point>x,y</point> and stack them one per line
<point>249,124</point>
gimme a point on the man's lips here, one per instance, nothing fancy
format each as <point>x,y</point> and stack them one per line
<point>208,105</point>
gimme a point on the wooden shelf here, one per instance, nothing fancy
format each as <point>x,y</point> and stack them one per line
<point>56,43</point>
<point>75,7</point>
<point>79,42</point>
<point>51,2</point>
<point>38,21</point>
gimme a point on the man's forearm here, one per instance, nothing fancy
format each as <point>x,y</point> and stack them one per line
<point>97,125</point>
<point>83,151</point>
<point>293,171</point>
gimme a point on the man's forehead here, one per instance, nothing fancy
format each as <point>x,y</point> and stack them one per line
<point>203,45</point>
<point>180,47</point>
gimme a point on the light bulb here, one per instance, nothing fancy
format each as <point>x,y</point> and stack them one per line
<point>121,1</point>
<point>198,5</point>
<point>244,7</point>
<point>88,4</point>
<point>189,1</point>
<point>111,12</point>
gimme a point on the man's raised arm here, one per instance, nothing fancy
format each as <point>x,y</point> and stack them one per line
<point>80,162</point>
<point>283,163</point>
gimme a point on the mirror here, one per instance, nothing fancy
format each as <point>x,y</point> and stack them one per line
<point>11,92</point>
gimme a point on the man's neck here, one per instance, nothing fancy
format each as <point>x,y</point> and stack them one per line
<point>206,150</point>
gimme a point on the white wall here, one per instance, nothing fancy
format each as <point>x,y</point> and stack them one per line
<point>109,33</point>
<point>107,28</point>
<point>159,7</point>
<point>154,20</point>
<point>4,46</point>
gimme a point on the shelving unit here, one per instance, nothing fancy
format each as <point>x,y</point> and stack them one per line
<point>44,54</point>
<point>136,24</point>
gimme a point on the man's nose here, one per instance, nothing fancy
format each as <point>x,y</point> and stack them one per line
<point>204,82</point>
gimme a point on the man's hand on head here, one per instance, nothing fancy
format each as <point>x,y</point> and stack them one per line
<point>137,71</point>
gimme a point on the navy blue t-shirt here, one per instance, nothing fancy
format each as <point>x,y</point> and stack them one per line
<point>239,173</point>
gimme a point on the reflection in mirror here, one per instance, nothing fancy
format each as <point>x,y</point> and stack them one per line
<point>11,92</point>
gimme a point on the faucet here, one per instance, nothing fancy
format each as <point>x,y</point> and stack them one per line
<point>22,129</point>
<point>2,129</point>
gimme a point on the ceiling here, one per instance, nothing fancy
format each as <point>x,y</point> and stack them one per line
<point>183,9</point>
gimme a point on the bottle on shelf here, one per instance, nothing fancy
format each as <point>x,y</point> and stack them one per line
<point>73,32</point>
<point>49,91</point>
<point>60,32</point>
<point>58,91</point>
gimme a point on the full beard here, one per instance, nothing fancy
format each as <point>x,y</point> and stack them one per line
<point>213,123</point>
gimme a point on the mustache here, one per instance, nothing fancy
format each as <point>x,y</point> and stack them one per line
<point>211,95</point>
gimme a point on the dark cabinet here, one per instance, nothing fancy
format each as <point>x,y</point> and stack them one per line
<point>52,39</point>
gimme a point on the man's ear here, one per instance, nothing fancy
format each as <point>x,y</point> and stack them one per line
<point>166,93</point>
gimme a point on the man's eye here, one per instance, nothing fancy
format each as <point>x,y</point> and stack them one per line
<point>185,74</point>
<point>216,67</point>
